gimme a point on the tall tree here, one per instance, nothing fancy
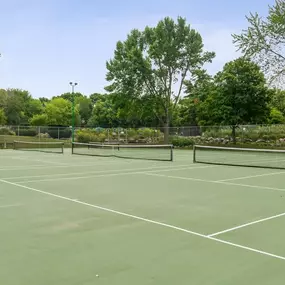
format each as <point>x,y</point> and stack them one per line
<point>17,101</point>
<point>264,41</point>
<point>240,97</point>
<point>155,63</point>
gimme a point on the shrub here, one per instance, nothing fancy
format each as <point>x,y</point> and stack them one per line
<point>60,133</point>
<point>6,131</point>
<point>182,141</point>
<point>31,132</point>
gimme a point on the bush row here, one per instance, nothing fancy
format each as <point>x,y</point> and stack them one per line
<point>54,133</point>
<point>144,135</point>
<point>183,142</point>
<point>273,132</point>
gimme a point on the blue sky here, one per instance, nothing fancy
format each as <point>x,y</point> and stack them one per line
<point>45,44</point>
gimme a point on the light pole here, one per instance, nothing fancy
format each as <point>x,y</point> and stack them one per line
<point>73,84</point>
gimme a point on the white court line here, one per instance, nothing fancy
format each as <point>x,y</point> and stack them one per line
<point>146,220</point>
<point>252,176</point>
<point>101,171</point>
<point>247,224</point>
<point>71,165</point>
<point>129,172</point>
<point>9,206</point>
<point>215,181</point>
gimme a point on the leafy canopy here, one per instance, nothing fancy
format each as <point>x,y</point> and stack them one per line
<point>153,64</point>
<point>240,96</point>
<point>264,41</point>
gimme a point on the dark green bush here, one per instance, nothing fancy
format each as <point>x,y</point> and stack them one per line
<point>28,132</point>
<point>59,133</point>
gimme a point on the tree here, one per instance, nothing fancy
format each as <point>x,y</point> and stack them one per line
<point>44,100</point>
<point>240,97</point>
<point>39,120</point>
<point>17,101</point>
<point>33,107</point>
<point>85,107</point>
<point>198,89</point>
<point>276,117</point>
<point>3,98</point>
<point>3,118</point>
<point>59,112</point>
<point>278,100</point>
<point>155,63</point>
<point>69,96</point>
<point>103,114</point>
<point>264,41</point>
<point>97,96</point>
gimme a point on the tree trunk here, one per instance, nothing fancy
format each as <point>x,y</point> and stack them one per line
<point>234,134</point>
<point>166,128</point>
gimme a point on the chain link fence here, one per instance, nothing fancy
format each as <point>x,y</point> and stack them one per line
<point>273,134</point>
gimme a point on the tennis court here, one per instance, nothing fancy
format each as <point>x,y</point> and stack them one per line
<point>75,219</point>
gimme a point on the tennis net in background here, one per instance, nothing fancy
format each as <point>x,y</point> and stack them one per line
<point>248,157</point>
<point>145,152</point>
<point>49,147</point>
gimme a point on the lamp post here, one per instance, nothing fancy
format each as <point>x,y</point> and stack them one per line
<point>73,84</point>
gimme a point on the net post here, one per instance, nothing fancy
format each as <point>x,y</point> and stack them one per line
<point>72,146</point>
<point>194,154</point>
<point>171,153</point>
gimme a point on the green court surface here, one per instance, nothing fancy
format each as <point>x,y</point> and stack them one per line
<point>81,220</point>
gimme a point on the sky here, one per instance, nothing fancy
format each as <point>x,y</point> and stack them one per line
<point>45,44</point>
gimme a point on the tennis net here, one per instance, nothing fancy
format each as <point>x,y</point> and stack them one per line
<point>49,147</point>
<point>145,152</point>
<point>248,157</point>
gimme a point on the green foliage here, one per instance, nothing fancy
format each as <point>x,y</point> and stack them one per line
<point>3,118</point>
<point>28,132</point>
<point>16,103</point>
<point>69,96</point>
<point>119,135</point>
<point>182,141</point>
<point>61,133</point>
<point>264,39</point>
<point>155,63</point>
<point>84,106</point>
<point>276,117</point>
<point>90,135</point>
<point>59,112</point>
<point>39,120</point>
<point>33,107</point>
<point>266,132</point>
<point>278,100</point>
<point>240,96</point>
<point>103,114</point>
<point>7,131</point>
